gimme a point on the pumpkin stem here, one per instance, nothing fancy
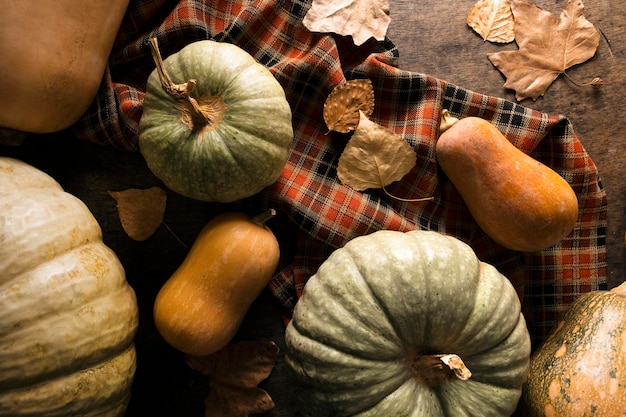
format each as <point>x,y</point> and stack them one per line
<point>260,219</point>
<point>196,114</point>
<point>434,370</point>
<point>447,120</point>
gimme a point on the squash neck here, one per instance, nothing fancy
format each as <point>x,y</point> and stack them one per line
<point>433,370</point>
<point>197,114</point>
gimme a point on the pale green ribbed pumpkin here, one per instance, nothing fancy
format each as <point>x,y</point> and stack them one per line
<point>231,139</point>
<point>68,315</point>
<point>374,325</point>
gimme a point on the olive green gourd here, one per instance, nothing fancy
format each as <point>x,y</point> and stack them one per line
<point>374,325</point>
<point>224,132</point>
<point>68,315</point>
<point>580,369</point>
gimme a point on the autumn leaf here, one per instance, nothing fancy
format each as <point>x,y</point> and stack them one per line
<point>374,157</point>
<point>548,45</point>
<point>140,211</point>
<point>361,19</point>
<point>341,108</point>
<point>492,20</point>
<point>235,371</point>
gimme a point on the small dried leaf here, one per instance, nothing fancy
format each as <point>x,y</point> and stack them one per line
<point>493,20</point>
<point>361,19</point>
<point>341,109</point>
<point>374,157</point>
<point>235,371</point>
<point>140,211</point>
<point>232,401</point>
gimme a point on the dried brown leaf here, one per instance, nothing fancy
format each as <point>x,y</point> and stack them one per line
<point>341,109</point>
<point>374,157</point>
<point>361,19</point>
<point>232,401</point>
<point>235,371</point>
<point>492,20</point>
<point>140,211</point>
<point>548,45</point>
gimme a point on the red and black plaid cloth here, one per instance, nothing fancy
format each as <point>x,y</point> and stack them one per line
<point>328,214</point>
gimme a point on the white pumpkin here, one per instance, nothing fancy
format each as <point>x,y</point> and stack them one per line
<point>68,314</point>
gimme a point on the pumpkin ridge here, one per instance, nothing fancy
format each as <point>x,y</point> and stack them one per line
<point>324,288</point>
<point>80,351</point>
<point>385,312</point>
<point>85,387</point>
<point>357,372</point>
<point>64,278</point>
<point>503,303</point>
<point>62,233</point>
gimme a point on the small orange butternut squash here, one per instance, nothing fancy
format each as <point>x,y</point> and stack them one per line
<point>518,201</point>
<point>201,306</point>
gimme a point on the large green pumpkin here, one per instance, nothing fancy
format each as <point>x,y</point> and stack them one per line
<point>370,333</point>
<point>223,136</point>
<point>68,316</point>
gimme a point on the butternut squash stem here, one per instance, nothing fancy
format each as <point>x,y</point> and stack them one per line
<point>180,92</point>
<point>434,370</point>
<point>447,120</point>
<point>260,219</point>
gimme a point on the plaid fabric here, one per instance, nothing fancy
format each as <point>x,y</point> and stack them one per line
<point>328,214</point>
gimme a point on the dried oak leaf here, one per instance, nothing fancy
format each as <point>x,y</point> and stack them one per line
<point>341,108</point>
<point>235,371</point>
<point>361,19</point>
<point>492,20</point>
<point>140,211</point>
<point>548,45</point>
<point>374,157</point>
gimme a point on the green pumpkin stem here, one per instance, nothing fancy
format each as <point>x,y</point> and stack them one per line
<point>196,114</point>
<point>434,370</point>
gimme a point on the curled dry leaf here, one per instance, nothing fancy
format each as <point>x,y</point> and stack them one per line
<point>492,20</point>
<point>374,157</point>
<point>548,45</point>
<point>140,211</point>
<point>342,106</point>
<point>234,372</point>
<point>361,19</point>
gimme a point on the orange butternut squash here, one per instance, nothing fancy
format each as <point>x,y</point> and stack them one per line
<point>53,55</point>
<point>201,306</point>
<point>519,202</point>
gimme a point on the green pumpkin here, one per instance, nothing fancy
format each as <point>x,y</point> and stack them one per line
<point>580,369</point>
<point>223,136</point>
<point>371,330</point>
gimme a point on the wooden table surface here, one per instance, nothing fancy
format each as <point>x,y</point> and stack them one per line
<point>433,38</point>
